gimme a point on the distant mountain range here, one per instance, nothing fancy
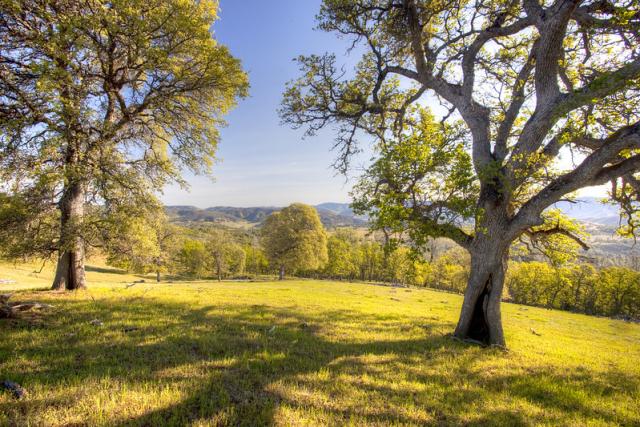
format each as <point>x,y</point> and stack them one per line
<point>591,210</point>
<point>585,209</point>
<point>331,214</point>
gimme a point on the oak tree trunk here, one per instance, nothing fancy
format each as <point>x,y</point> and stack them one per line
<point>70,272</point>
<point>218,266</point>
<point>281,277</point>
<point>480,318</point>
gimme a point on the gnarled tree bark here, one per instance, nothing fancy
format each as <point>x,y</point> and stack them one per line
<point>70,273</point>
<point>480,317</point>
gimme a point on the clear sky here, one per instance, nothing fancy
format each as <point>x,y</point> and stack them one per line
<point>263,163</point>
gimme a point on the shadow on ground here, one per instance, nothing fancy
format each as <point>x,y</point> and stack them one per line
<point>256,365</point>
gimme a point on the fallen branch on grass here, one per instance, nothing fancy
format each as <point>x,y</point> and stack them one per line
<point>14,310</point>
<point>135,283</point>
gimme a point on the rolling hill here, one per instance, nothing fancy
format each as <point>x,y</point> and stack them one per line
<point>599,219</point>
<point>588,210</point>
<point>331,214</point>
<point>591,210</point>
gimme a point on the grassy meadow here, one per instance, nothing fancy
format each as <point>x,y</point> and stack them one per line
<point>302,353</point>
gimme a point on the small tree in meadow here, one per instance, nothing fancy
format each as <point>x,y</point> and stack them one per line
<point>143,243</point>
<point>226,256</point>
<point>194,259</point>
<point>295,239</point>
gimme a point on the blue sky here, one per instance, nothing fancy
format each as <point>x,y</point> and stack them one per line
<point>264,163</point>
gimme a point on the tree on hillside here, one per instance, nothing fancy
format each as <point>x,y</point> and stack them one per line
<point>193,259</point>
<point>256,261</point>
<point>101,104</point>
<point>226,255</point>
<point>370,259</point>
<point>294,239</point>
<point>621,291</point>
<point>540,99</point>
<point>142,243</point>
<point>342,251</point>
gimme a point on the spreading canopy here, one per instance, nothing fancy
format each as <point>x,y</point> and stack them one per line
<point>106,101</point>
<point>294,238</point>
<point>544,96</point>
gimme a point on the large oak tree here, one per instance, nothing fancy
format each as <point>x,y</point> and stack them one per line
<point>101,104</point>
<point>539,99</point>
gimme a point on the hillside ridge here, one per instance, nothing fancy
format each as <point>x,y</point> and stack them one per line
<point>584,209</point>
<point>331,214</point>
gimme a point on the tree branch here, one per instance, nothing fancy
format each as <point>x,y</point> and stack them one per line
<point>592,171</point>
<point>534,235</point>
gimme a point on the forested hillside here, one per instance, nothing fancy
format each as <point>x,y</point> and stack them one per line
<point>331,214</point>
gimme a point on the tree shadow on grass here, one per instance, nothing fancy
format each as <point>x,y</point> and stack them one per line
<point>256,365</point>
<point>106,270</point>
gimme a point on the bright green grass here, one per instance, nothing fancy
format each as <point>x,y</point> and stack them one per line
<point>304,353</point>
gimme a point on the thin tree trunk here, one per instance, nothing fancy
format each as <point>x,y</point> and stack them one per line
<point>218,259</point>
<point>281,276</point>
<point>70,273</point>
<point>158,276</point>
<point>480,317</point>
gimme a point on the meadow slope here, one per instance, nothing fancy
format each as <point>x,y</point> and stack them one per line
<point>302,353</point>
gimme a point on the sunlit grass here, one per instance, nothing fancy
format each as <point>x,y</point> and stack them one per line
<point>303,353</point>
